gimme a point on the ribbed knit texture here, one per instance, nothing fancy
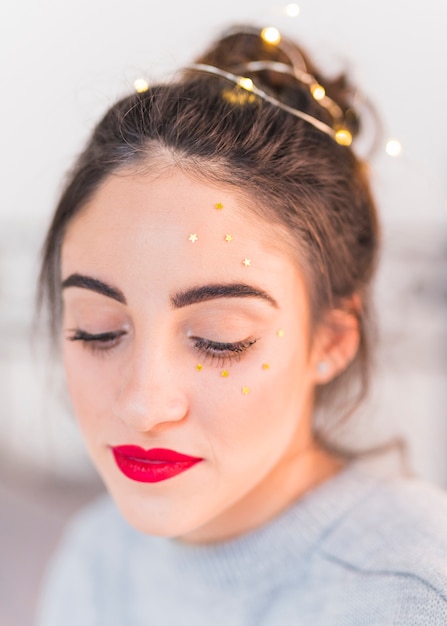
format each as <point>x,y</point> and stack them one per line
<point>359,550</point>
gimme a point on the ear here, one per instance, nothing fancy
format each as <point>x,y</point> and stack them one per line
<point>336,342</point>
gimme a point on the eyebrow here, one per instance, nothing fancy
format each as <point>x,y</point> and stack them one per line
<point>93,284</point>
<point>215,291</point>
<point>181,299</point>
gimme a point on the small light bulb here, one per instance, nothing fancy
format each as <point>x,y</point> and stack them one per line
<point>318,91</point>
<point>343,137</point>
<point>271,35</point>
<point>141,85</point>
<point>292,10</point>
<point>393,147</point>
<point>246,83</point>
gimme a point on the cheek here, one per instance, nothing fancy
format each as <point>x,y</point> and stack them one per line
<point>89,382</point>
<point>267,415</point>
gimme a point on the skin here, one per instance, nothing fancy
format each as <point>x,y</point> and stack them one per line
<point>143,387</point>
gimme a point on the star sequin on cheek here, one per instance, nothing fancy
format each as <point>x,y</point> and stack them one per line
<point>193,237</point>
<point>219,206</point>
<point>199,367</point>
<point>228,238</point>
<point>246,262</point>
<point>225,373</point>
<point>280,333</point>
<point>245,391</point>
<point>265,366</point>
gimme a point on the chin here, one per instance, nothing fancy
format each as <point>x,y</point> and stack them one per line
<point>152,518</point>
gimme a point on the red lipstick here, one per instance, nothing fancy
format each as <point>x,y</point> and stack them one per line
<point>151,466</point>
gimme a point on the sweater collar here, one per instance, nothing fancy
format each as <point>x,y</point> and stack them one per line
<point>283,543</point>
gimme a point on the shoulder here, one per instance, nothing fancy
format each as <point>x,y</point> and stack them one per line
<point>91,530</point>
<point>396,530</point>
<point>87,555</point>
<point>97,539</point>
<point>95,523</point>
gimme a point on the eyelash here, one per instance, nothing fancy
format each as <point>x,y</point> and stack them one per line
<point>221,352</point>
<point>101,342</point>
<point>214,351</point>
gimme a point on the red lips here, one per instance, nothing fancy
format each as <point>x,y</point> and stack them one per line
<point>151,466</point>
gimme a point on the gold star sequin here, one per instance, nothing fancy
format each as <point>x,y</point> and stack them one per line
<point>193,237</point>
<point>199,367</point>
<point>225,373</point>
<point>280,332</point>
<point>228,238</point>
<point>246,262</point>
<point>219,206</point>
<point>265,366</point>
<point>245,391</point>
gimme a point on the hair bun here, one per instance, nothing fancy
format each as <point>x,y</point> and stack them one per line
<point>304,87</point>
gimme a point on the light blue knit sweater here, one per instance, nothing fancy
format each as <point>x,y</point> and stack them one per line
<point>357,551</point>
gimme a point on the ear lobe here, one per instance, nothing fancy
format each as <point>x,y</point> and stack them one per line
<point>335,345</point>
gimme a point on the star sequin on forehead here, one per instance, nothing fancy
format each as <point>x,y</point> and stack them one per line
<point>193,237</point>
<point>246,262</point>
<point>219,206</point>
<point>228,238</point>
<point>245,391</point>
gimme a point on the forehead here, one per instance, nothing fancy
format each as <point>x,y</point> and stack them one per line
<point>168,201</point>
<point>172,227</point>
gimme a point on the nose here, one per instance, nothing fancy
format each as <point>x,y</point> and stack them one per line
<point>150,395</point>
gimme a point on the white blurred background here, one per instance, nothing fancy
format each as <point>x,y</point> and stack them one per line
<point>62,64</point>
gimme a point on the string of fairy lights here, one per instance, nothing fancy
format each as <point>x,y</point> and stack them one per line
<point>272,36</point>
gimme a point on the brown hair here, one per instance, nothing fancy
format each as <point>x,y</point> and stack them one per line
<point>315,190</point>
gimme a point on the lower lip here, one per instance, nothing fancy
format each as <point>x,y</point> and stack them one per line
<point>151,466</point>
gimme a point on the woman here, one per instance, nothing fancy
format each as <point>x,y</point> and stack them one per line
<point>208,269</point>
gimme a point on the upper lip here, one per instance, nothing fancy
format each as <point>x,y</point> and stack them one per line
<point>157,455</point>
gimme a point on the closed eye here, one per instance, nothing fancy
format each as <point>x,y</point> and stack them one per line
<point>222,352</point>
<point>97,342</point>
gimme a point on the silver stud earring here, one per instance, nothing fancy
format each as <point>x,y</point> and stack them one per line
<point>322,367</point>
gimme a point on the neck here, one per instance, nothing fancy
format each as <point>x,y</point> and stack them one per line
<point>286,484</point>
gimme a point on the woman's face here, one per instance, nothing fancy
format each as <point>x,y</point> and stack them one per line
<point>186,334</point>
